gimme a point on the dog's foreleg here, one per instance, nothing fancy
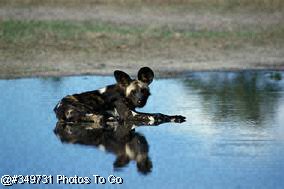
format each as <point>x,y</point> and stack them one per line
<point>126,114</point>
<point>156,118</point>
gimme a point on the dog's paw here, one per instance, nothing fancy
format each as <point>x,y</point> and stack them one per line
<point>178,119</point>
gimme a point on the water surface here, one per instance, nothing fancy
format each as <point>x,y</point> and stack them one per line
<point>233,137</point>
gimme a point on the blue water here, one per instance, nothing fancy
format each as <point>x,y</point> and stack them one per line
<point>233,137</point>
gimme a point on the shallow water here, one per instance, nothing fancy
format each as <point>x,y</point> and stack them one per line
<point>233,137</point>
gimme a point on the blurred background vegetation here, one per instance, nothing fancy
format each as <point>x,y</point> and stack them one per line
<point>95,36</point>
<point>217,4</point>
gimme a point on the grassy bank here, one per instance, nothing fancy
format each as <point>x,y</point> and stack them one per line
<point>99,36</point>
<point>221,5</point>
<point>76,37</point>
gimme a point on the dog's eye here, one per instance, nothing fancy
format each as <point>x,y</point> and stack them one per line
<point>132,92</point>
<point>145,91</point>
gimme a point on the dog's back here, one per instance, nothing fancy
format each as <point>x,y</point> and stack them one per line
<point>84,106</point>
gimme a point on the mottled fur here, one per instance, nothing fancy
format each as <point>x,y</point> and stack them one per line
<point>113,103</point>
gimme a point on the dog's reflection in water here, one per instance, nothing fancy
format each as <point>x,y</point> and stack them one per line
<point>122,141</point>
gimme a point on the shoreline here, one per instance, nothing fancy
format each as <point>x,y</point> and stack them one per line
<point>109,73</point>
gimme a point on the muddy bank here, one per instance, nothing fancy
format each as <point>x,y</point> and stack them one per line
<point>164,69</point>
<point>46,40</point>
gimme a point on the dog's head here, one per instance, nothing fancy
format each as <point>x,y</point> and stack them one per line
<point>136,91</point>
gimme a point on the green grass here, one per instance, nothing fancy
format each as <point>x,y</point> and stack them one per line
<point>27,30</point>
<point>256,5</point>
<point>22,36</point>
<point>13,31</point>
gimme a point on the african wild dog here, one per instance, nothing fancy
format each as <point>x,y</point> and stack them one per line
<point>114,102</point>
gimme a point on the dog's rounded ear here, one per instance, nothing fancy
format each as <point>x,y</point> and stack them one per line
<point>122,77</point>
<point>146,75</point>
